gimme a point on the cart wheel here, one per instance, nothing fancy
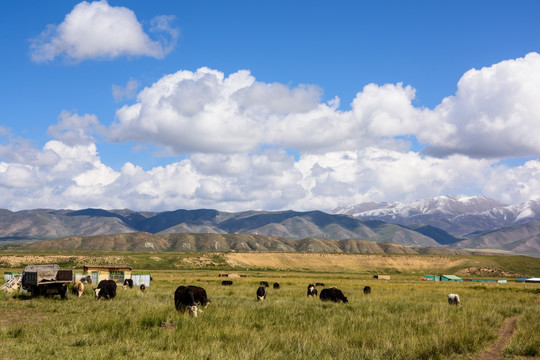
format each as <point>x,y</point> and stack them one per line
<point>64,292</point>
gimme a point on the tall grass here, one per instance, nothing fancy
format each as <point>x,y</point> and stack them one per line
<point>399,320</point>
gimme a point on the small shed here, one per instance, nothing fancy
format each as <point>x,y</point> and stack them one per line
<point>8,275</point>
<point>141,279</point>
<point>431,278</point>
<point>533,280</point>
<point>118,273</point>
<point>450,278</point>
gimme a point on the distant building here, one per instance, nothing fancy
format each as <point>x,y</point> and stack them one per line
<point>450,278</point>
<point>442,278</point>
<point>8,275</point>
<point>141,279</point>
<point>111,272</point>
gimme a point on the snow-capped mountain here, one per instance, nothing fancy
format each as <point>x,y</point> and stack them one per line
<point>450,205</point>
<point>463,216</point>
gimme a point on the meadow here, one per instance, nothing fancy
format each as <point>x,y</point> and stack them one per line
<point>404,318</point>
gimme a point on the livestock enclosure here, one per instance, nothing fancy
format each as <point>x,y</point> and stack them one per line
<point>404,318</point>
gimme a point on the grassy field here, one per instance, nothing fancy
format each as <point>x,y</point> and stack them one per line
<point>403,318</point>
<point>464,265</point>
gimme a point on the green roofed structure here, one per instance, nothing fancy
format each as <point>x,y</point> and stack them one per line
<point>442,278</point>
<point>450,278</point>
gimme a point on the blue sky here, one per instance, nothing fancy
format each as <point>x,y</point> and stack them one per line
<point>267,105</point>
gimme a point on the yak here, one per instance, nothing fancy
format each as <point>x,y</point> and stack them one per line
<point>333,294</point>
<point>184,299</point>
<point>453,299</point>
<point>78,288</point>
<point>261,293</point>
<point>311,291</point>
<point>106,289</point>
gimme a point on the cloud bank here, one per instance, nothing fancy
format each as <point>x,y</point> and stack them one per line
<point>495,112</point>
<point>246,144</point>
<point>97,30</point>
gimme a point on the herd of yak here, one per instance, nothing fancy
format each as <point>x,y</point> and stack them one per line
<point>186,298</point>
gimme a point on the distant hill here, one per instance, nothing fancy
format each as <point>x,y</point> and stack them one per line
<point>442,236</point>
<point>519,239</point>
<point>143,241</point>
<point>457,222</point>
<point>473,222</point>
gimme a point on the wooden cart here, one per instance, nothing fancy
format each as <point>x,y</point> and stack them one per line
<point>46,280</point>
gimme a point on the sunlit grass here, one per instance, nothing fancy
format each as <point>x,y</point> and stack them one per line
<point>399,320</point>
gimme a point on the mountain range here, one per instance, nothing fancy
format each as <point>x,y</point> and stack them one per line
<point>475,222</point>
<point>48,224</point>
<point>458,222</point>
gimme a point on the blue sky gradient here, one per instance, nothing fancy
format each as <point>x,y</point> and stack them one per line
<point>302,55</point>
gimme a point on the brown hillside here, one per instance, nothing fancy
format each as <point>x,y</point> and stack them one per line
<point>183,242</point>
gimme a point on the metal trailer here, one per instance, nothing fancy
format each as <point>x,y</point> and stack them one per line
<point>46,280</point>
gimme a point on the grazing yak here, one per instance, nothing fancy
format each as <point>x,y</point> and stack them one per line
<point>261,293</point>
<point>276,285</point>
<point>311,291</point>
<point>142,287</point>
<point>199,295</point>
<point>86,279</point>
<point>367,290</point>
<point>453,299</point>
<point>333,294</point>
<point>105,289</point>
<point>128,283</point>
<point>78,288</point>
<point>184,299</point>
<point>265,283</point>
<point>226,282</point>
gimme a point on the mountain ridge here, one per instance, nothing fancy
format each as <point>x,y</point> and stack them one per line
<point>188,242</point>
<point>45,224</point>
<point>470,221</point>
<point>459,222</point>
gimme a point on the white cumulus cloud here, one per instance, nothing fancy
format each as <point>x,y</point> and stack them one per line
<point>95,30</point>
<point>205,111</point>
<point>495,112</point>
<point>516,184</point>
<point>75,129</point>
<point>249,145</point>
<point>127,92</point>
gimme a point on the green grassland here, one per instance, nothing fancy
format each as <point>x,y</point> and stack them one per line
<point>467,266</point>
<point>402,318</point>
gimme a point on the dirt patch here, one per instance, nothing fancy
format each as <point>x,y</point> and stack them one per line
<point>168,325</point>
<point>505,332</point>
<point>197,262</point>
<point>17,316</point>
<point>342,262</point>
